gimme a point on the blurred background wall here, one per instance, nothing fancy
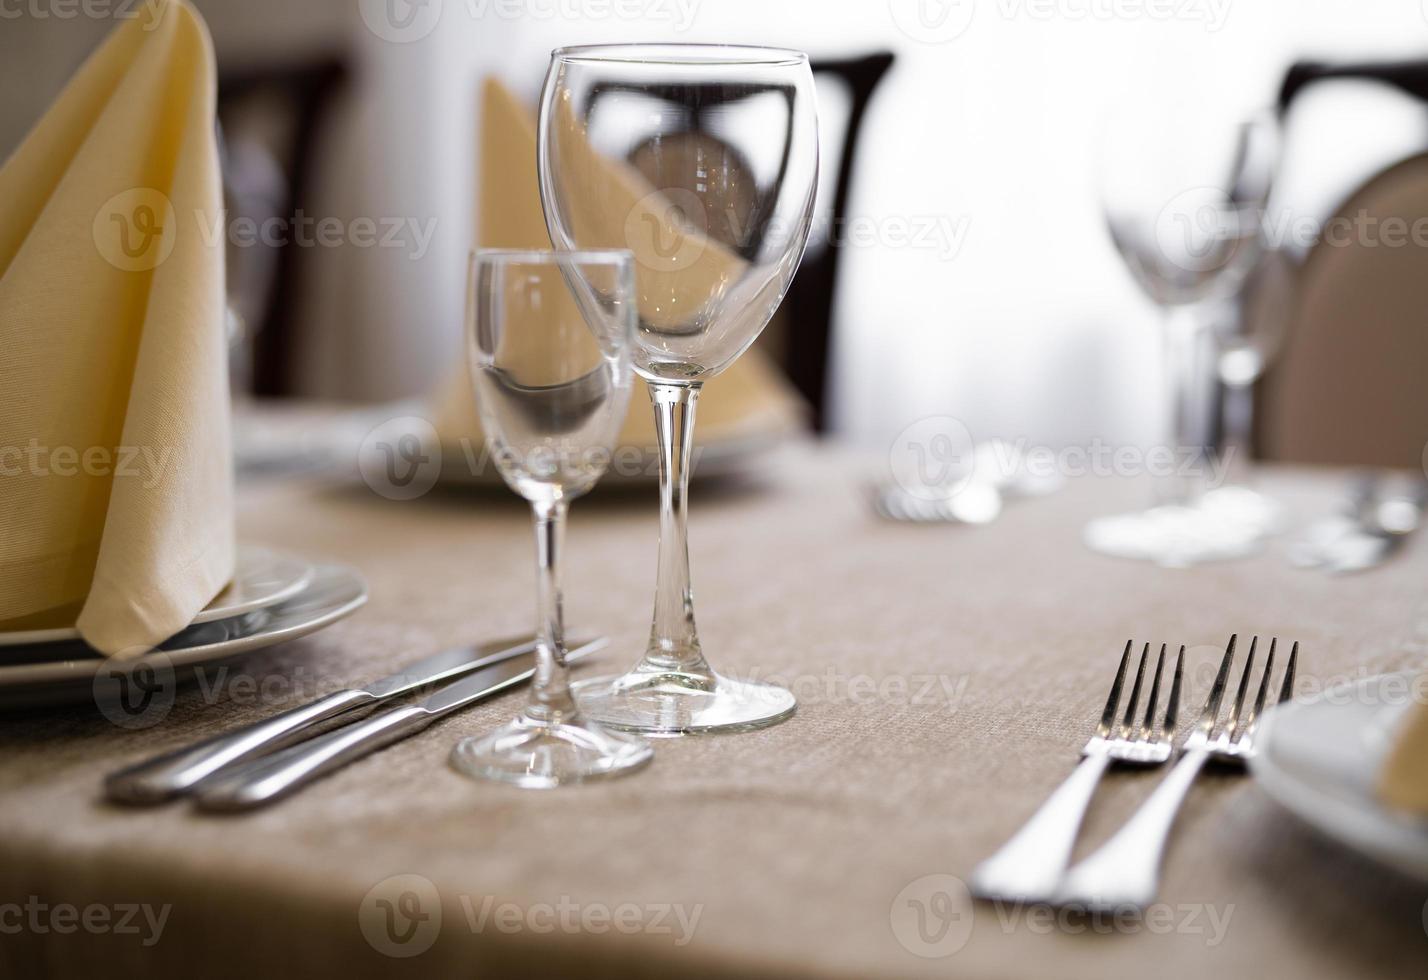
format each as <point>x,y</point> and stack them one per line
<point>978,278</point>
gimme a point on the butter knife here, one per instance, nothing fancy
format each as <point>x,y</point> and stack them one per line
<point>173,774</point>
<point>265,780</point>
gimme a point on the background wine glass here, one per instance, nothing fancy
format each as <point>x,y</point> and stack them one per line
<point>550,340</point>
<point>703,161</point>
<point>1249,331</point>
<point>1184,205</point>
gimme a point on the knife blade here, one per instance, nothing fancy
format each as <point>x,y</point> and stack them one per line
<point>268,779</point>
<point>172,774</point>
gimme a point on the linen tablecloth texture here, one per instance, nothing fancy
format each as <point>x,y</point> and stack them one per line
<point>750,398</point>
<point>118,513</point>
<point>946,676</point>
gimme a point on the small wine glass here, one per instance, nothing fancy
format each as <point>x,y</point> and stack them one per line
<point>1184,206</point>
<point>702,159</point>
<point>550,336</point>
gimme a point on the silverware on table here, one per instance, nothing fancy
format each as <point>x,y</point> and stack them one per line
<point>975,495</point>
<point>272,777</point>
<point>1125,871</point>
<point>1029,867</point>
<point>175,773</point>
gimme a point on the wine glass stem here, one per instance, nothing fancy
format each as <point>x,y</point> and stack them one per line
<point>550,690</point>
<point>674,641</point>
<point>1185,383</point>
<point>1237,430</point>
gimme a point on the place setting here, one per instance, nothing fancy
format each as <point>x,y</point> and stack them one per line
<point>1027,637</point>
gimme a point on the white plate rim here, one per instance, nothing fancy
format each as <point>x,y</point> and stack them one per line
<point>20,676</point>
<point>297,579</point>
<point>1360,823</point>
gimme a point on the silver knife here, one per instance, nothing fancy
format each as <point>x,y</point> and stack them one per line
<point>265,780</point>
<point>176,773</point>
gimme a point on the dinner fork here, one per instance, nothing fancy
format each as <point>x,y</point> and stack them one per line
<point>1029,867</point>
<point>1125,871</point>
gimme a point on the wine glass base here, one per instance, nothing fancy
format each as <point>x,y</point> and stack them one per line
<point>1244,506</point>
<point>537,754</point>
<point>1173,536</point>
<point>669,703</point>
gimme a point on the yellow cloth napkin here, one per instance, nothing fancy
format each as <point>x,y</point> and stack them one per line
<point>115,453</point>
<point>751,397</point>
<point>1404,782</point>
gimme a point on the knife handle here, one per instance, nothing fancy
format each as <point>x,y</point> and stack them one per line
<point>265,780</point>
<point>175,773</point>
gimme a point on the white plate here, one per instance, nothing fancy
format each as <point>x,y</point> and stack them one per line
<point>260,578</point>
<point>73,670</point>
<point>1320,759</point>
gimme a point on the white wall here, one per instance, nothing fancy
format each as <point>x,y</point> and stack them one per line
<point>1030,328</point>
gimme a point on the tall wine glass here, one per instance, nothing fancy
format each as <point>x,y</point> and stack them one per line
<point>1184,205</point>
<point>703,161</point>
<point>550,338</point>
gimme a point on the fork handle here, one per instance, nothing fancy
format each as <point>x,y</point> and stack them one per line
<point>1125,870</point>
<point>1028,868</point>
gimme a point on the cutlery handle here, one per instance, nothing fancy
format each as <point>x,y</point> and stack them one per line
<point>1028,867</point>
<point>265,780</point>
<point>1125,871</point>
<point>172,774</point>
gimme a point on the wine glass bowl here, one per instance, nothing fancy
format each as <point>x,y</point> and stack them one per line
<point>702,161</point>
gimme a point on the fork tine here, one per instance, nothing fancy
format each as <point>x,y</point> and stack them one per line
<point>1149,725</point>
<point>1217,690</point>
<point>1258,706</point>
<point>1173,707</point>
<point>1234,727</point>
<point>1286,693</point>
<point>1108,717</point>
<point>1129,722</point>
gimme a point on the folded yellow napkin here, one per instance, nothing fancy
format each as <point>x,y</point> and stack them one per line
<point>1404,782</point>
<point>114,431</point>
<point>751,397</point>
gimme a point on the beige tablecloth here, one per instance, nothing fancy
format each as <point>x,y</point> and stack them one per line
<point>946,678</point>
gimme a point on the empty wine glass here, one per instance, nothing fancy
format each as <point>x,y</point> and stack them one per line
<point>1249,330</point>
<point>550,338</point>
<point>1184,205</point>
<point>703,161</point>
